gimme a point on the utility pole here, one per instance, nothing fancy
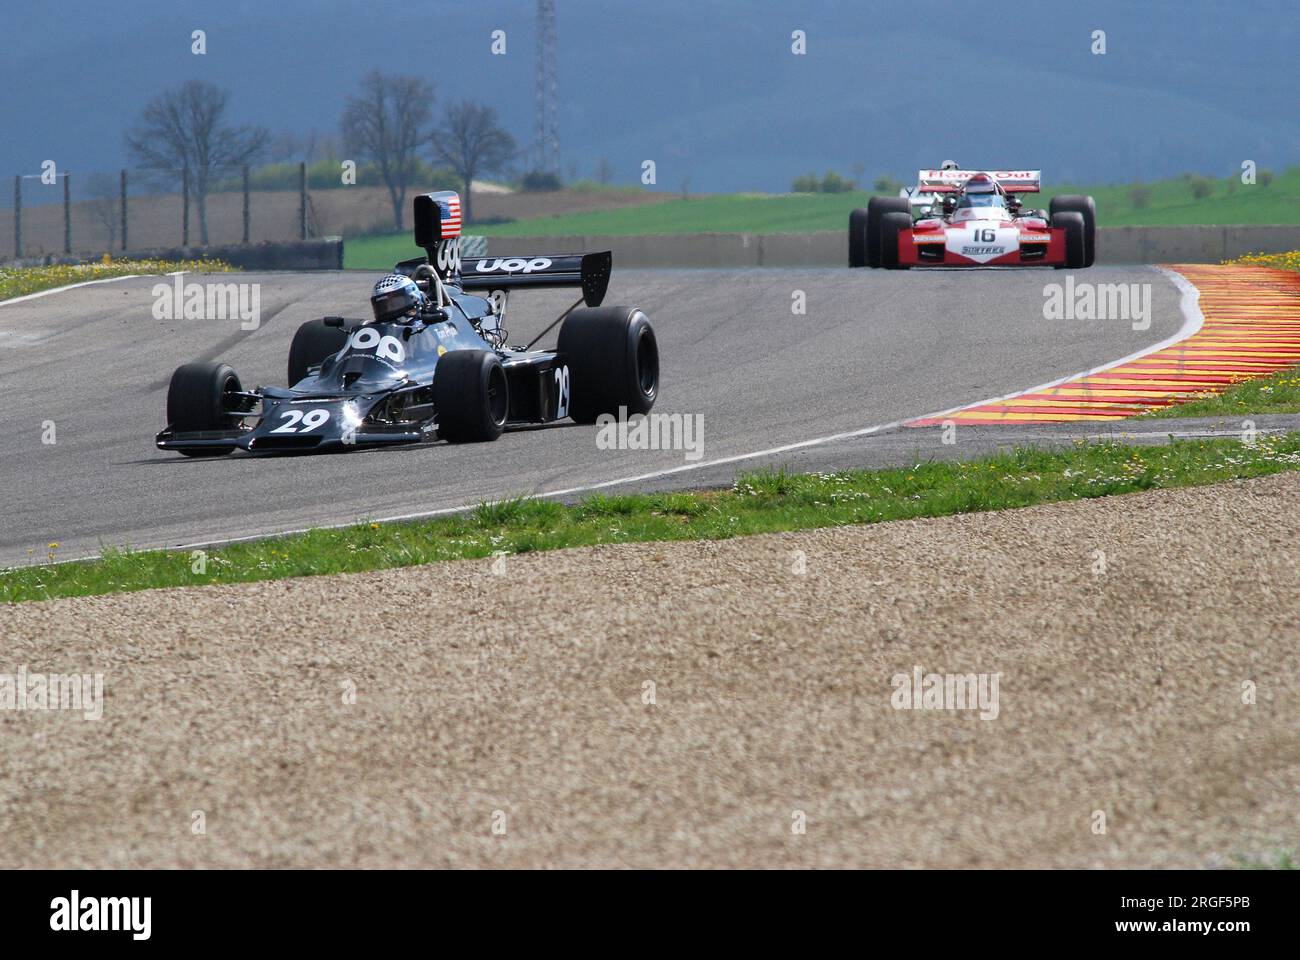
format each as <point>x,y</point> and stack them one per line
<point>18,216</point>
<point>124,209</point>
<point>302,201</point>
<point>67,212</point>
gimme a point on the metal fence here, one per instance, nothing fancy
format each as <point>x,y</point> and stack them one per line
<point>71,213</point>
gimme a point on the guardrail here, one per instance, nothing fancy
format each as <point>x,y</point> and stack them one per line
<point>325,253</point>
<point>831,248</point>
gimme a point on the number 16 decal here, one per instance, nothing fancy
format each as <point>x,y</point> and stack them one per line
<point>562,392</point>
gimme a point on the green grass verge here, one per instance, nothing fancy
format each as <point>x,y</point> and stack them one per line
<point>1290,260</point>
<point>1279,393</point>
<point>20,281</point>
<point>1167,202</point>
<point>762,502</point>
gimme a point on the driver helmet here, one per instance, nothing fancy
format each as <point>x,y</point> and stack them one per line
<point>396,296</point>
<point>949,165</point>
<point>979,185</point>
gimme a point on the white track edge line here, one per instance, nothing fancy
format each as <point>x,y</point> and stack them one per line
<point>85,283</point>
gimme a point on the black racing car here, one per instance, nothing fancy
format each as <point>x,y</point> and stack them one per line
<point>433,362</point>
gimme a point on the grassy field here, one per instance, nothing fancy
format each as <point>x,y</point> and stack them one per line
<point>20,281</point>
<point>753,213</point>
<point>761,502</point>
<point>1167,202</point>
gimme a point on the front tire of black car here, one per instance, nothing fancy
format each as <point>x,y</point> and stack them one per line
<point>471,396</point>
<point>197,401</point>
<point>312,343</point>
<point>613,360</point>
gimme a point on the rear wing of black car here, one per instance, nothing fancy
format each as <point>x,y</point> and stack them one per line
<point>589,271</point>
<point>438,230</point>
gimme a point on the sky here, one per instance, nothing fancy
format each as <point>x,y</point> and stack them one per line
<point>710,90</point>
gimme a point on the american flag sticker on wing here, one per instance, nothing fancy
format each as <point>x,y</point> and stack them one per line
<point>451,217</point>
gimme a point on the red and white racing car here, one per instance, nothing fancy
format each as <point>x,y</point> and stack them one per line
<point>974,219</point>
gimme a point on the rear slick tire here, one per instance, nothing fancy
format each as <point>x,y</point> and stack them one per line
<point>858,238</point>
<point>1075,249</point>
<point>891,226</point>
<point>877,207</point>
<point>1087,207</point>
<point>613,359</point>
<point>312,343</point>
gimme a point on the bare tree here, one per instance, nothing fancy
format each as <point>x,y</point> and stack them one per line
<point>185,129</point>
<point>470,142</point>
<point>104,205</point>
<point>385,125</point>
<point>292,147</point>
<point>329,147</point>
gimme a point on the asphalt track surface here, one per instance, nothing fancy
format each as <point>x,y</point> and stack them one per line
<point>873,348</point>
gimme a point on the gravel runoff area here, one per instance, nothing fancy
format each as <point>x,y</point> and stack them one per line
<point>500,716</point>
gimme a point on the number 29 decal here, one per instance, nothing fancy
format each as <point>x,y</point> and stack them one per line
<point>298,422</point>
<point>561,392</point>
